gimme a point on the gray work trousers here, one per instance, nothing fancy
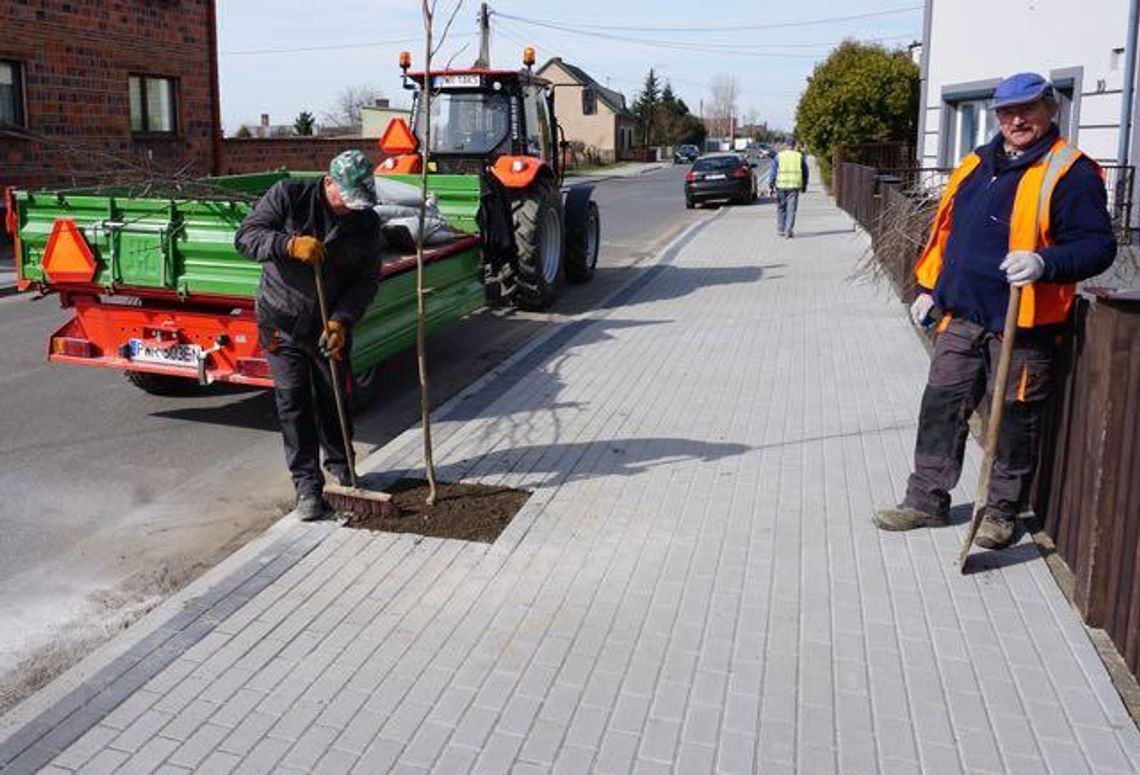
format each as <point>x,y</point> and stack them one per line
<point>787,200</point>
<point>961,372</point>
<point>306,408</point>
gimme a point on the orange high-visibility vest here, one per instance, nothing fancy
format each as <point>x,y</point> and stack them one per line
<point>1041,303</point>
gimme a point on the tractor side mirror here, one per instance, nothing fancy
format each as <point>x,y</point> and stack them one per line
<point>589,101</point>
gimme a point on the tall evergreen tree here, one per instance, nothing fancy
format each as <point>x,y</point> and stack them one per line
<point>645,106</point>
<point>303,124</point>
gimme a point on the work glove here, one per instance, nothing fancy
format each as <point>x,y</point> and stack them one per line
<point>920,309</point>
<point>333,339</point>
<point>1022,267</point>
<point>308,249</point>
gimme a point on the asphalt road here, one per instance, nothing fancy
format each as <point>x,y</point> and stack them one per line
<point>113,498</point>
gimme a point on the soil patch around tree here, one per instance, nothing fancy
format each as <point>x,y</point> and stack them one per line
<point>468,512</point>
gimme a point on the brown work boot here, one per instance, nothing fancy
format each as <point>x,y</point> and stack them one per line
<point>906,518</point>
<point>995,532</point>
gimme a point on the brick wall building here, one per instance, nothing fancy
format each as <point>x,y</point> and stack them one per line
<point>295,153</point>
<point>97,90</point>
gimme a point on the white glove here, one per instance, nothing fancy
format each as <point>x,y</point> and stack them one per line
<point>1022,267</point>
<point>920,309</point>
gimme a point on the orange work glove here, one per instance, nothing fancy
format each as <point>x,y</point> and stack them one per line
<point>308,249</point>
<point>333,339</point>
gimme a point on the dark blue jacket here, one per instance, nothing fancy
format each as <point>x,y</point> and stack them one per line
<point>287,293</point>
<point>970,284</point>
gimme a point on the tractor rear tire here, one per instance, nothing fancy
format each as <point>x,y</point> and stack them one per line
<point>164,384</point>
<point>582,256</point>
<point>537,215</point>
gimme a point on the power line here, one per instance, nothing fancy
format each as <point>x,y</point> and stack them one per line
<point>337,47</point>
<point>750,50</point>
<point>740,49</point>
<point>733,28</point>
<point>710,48</point>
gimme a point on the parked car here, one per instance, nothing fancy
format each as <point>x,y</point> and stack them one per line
<point>720,176</point>
<point>685,154</point>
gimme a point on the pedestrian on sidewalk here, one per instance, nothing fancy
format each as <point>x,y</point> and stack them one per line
<point>1026,209</point>
<point>299,224</point>
<point>789,176</point>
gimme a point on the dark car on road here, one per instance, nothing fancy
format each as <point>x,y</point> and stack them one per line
<point>723,176</point>
<point>686,154</point>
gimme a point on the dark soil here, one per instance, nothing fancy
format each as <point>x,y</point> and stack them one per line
<point>469,512</point>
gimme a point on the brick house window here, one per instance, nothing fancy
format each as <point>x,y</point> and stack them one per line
<point>11,94</point>
<point>152,105</point>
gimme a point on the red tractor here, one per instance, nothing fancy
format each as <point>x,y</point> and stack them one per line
<point>499,126</point>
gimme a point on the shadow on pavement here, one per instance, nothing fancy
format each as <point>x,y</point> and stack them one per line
<point>256,412</point>
<point>663,282</point>
<point>550,463</point>
<point>825,233</point>
<point>984,559</point>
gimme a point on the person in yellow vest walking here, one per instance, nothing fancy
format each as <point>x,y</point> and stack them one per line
<point>1026,209</point>
<point>789,176</point>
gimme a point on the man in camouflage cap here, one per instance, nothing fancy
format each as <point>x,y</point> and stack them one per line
<point>327,223</point>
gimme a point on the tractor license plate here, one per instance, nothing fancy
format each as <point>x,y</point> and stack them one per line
<point>456,80</point>
<point>174,355</point>
<point>717,176</point>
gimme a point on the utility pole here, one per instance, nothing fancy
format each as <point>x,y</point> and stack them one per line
<point>484,59</point>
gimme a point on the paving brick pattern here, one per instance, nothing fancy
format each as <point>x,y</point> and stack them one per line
<point>695,585</point>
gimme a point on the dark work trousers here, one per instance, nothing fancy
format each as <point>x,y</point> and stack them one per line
<point>787,200</point>
<point>301,375</point>
<point>962,371</point>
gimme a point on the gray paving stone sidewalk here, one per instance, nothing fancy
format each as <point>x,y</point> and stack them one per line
<point>695,585</point>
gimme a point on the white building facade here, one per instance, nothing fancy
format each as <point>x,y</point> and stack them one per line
<point>1084,48</point>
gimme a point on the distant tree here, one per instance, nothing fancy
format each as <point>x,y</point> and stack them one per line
<point>676,125</point>
<point>645,107</point>
<point>347,109</point>
<point>303,124</point>
<point>243,132</point>
<point>861,93</point>
<point>725,91</point>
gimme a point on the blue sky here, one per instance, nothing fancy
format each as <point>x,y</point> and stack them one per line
<point>283,56</point>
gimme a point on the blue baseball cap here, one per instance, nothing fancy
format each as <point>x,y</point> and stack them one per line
<point>1021,89</point>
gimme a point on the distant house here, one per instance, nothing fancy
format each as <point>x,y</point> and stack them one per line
<point>609,132</point>
<point>375,118</point>
<point>88,91</point>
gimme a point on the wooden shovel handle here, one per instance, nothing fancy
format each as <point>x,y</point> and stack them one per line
<point>993,425</point>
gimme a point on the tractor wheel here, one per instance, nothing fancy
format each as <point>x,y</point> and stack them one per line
<point>582,256</point>
<point>537,214</point>
<point>164,384</point>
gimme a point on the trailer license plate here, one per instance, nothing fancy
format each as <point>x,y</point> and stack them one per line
<point>174,355</point>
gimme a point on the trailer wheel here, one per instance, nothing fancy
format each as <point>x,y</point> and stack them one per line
<point>164,384</point>
<point>582,258</point>
<point>537,214</point>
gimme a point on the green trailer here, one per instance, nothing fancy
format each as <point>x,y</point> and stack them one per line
<point>158,290</point>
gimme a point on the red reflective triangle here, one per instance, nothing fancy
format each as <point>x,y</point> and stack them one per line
<point>68,257</point>
<point>398,138</point>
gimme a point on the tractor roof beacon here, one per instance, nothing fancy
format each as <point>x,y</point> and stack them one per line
<point>500,125</point>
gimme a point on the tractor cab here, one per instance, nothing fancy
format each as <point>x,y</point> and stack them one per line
<point>499,126</point>
<point>485,115</point>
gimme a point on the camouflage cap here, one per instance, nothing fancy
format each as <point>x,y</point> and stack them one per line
<point>352,172</point>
